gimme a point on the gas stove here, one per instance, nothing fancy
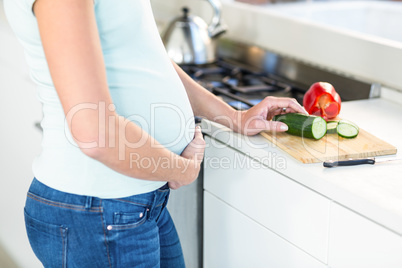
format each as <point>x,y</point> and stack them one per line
<point>246,74</point>
<point>241,86</point>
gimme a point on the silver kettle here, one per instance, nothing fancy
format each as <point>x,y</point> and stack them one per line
<point>189,40</point>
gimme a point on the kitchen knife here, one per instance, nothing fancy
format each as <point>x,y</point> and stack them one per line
<point>353,162</point>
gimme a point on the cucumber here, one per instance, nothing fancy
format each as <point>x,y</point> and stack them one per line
<point>331,127</point>
<point>347,129</point>
<point>308,126</point>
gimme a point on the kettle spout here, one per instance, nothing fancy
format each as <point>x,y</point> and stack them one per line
<point>217,30</point>
<point>217,27</point>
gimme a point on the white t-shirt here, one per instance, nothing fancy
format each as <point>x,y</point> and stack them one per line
<point>143,84</point>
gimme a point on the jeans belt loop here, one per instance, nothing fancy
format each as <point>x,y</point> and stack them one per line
<point>88,202</point>
<point>153,204</point>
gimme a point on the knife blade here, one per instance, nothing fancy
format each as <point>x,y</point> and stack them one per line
<point>362,161</point>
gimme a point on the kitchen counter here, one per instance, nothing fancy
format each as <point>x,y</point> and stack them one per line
<point>322,33</point>
<point>375,192</point>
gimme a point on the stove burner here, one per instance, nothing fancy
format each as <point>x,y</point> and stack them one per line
<point>247,84</point>
<point>239,86</point>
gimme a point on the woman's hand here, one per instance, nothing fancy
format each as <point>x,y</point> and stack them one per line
<point>195,153</point>
<point>258,118</point>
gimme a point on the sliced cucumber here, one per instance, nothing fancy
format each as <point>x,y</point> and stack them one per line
<point>331,126</point>
<point>309,126</point>
<point>347,129</point>
<point>344,121</point>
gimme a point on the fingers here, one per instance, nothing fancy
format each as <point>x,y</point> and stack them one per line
<point>173,185</point>
<point>198,138</point>
<point>199,143</point>
<point>195,149</point>
<point>277,105</point>
<point>276,126</point>
<point>263,125</point>
<point>195,153</point>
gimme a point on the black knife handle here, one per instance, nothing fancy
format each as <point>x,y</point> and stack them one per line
<point>349,162</point>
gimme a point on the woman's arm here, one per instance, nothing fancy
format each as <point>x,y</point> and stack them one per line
<point>73,51</point>
<point>250,122</point>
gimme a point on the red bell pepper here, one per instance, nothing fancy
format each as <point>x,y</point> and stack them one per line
<point>322,100</point>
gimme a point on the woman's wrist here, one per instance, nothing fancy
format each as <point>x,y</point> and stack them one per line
<point>237,119</point>
<point>185,173</point>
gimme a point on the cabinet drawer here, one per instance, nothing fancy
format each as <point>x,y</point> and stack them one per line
<point>231,239</point>
<point>357,242</point>
<point>287,208</point>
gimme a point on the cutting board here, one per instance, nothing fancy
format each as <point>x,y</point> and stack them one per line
<point>330,147</point>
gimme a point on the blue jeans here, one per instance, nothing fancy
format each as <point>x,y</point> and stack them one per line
<point>67,230</point>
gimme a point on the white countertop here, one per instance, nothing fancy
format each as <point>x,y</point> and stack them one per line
<point>374,191</point>
<point>292,30</point>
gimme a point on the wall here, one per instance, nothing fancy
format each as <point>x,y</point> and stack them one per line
<point>165,11</point>
<point>19,143</point>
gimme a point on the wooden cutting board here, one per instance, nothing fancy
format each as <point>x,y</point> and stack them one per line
<point>330,147</point>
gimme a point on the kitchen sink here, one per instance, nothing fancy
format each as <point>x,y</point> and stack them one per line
<point>379,19</point>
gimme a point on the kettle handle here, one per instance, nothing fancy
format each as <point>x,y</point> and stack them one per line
<point>216,27</point>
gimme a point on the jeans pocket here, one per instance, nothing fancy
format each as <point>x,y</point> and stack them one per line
<point>132,219</point>
<point>48,241</point>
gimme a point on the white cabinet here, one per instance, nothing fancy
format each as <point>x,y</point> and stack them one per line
<point>288,209</point>
<point>358,242</point>
<point>231,239</point>
<point>256,217</point>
